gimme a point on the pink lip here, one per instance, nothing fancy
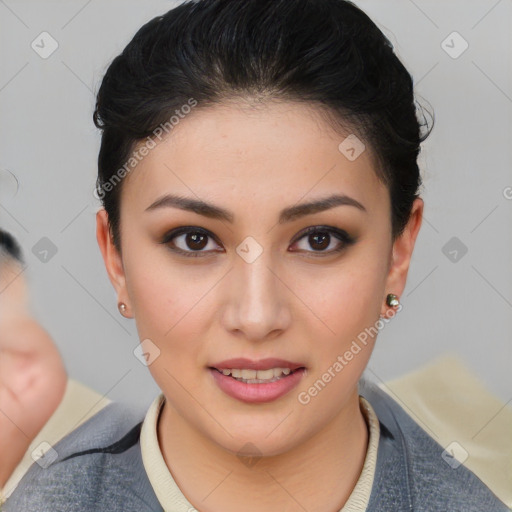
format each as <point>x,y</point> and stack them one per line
<point>257,393</point>
<point>263,364</point>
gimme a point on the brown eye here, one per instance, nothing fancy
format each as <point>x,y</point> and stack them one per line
<point>196,241</point>
<point>319,241</point>
<point>320,238</point>
<point>189,241</point>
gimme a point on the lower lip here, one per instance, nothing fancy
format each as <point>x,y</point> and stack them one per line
<point>257,393</point>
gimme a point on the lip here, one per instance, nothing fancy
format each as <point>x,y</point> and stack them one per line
<point>261,364</point>
<point>261,392</point>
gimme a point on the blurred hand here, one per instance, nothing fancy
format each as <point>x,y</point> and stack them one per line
<point>32,375</point>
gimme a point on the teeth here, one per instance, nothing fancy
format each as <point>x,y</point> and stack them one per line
<point>245,374</point>
<point>260,374</point>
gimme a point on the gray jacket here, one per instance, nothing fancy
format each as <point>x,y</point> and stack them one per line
<point>98,468</point>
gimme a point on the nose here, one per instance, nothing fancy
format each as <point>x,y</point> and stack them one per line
<point>258,304</point>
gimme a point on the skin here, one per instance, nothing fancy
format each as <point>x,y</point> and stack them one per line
<point>289,303</point>
<point>32,375</point>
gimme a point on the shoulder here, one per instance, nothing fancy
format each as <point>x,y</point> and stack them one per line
<point>98,466</point>
<point>414,472</point>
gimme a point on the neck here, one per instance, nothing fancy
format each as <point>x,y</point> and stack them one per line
<point>212,478</point>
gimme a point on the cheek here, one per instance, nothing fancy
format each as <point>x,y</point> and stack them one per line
<point>156,294</point>
<point>166,303</point>
<point>152,298</point>
<point>348,299</point>
<point>164,314</point>
<point>348,305</point>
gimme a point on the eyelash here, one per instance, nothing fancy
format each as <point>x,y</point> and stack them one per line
<point>340,235</point>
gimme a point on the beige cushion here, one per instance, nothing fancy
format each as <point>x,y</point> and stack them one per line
<point>453,406</point>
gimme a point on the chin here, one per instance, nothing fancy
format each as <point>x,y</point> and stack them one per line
<point>255,449</point>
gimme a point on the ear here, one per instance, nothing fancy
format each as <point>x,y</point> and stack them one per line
<point>111,257</point>
<point>402,253</point>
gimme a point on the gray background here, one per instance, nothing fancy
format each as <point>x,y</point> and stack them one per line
<point>49,143</point>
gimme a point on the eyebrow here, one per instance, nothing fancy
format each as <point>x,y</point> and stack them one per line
<point>286,215</point>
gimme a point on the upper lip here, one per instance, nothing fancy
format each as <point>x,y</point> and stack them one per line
<point>261,364</point>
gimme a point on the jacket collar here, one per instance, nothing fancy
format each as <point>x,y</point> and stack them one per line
<point>391,488</point>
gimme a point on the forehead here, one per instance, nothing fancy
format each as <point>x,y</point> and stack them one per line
<point>260,154</point>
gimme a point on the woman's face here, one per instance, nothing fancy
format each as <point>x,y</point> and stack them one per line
<point>250,282</point>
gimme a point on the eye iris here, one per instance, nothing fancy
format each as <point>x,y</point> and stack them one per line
<point>198,240</point>
<point>324,236</point>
